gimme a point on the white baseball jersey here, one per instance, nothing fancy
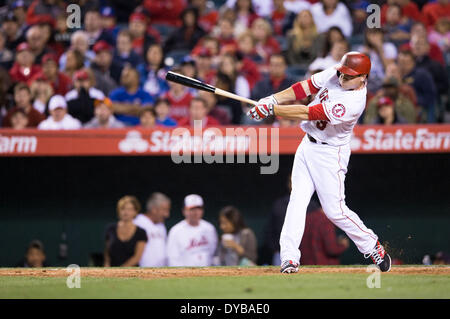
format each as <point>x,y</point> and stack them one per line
<point>342,107</point>
<point>155,249</point>
<point>191,246</point>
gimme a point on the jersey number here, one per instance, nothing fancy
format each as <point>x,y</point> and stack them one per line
<point>321,125</point>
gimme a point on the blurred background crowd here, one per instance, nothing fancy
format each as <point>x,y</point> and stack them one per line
<point>104,65</point>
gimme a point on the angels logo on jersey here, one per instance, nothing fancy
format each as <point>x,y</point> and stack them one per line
<point>338,110</point>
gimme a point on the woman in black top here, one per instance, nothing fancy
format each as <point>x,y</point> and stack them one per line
<point>125,242</point>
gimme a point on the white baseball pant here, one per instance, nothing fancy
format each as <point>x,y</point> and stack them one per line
<point>321,168</point>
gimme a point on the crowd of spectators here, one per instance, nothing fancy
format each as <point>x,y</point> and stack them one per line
<point>109,71</point>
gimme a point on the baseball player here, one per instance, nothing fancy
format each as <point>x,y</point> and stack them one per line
<point>321,160</point>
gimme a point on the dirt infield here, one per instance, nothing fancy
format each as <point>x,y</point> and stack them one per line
<point>158,273</point>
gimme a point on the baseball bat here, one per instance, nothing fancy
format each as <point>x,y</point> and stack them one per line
<point>199,85</point>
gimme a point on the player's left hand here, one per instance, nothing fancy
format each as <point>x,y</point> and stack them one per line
<point>260,111</point>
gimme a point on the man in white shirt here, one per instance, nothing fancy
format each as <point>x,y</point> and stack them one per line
<point>59,119</point>
<point>158,210</point>
<point>193,241</point>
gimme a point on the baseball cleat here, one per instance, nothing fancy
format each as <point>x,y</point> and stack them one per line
<point>288,266</point>
<point>380,257</point>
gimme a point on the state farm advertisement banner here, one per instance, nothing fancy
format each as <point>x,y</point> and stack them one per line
<point>221,140</point>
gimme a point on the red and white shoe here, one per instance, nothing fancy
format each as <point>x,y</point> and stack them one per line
<point>380,257</point>
<point>289,266</point>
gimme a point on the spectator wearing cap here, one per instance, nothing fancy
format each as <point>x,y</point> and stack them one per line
<point>166,12</point>
<point>409,9</point>
<point>403,105</point>
<point>147,117</point>
<point>185,37</point>
<point>106,70</point>
<point>193,241</point>
<point>141,38</point>
<point>94,28</point>
<point>14,36</point>
<point>152,72</point>
<point>188,68</point>
<point>432,12</point>
<point>204,64</point>
<point>6,55</point>
<point>19,9</point>
<point>332,13</point>
<point>41,92</point>
<point>80,100</point>
<point>129,98</point>
<point>208,16</point>
<point>40,10</point>
<point>109,21</point>
<point>198,111</point>
<point>59,119</point>
<point>157,211</point>
<point>19,119</point>
<point>386,112</point>
<point>38,42</point>
<point>422,82</point>
<point>34,256</point>
<point>104,116</point>
<point>24,67</point>
<point>60,82</point>
<point>79,42</point>
<point>162,110</point>
<point>123,53</point>
<point>22,99</point>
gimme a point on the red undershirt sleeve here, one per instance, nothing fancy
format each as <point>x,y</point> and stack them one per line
<point>317,113</point>
<point>301,90</point>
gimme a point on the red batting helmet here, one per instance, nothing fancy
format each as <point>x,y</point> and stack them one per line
<point>354,63</point>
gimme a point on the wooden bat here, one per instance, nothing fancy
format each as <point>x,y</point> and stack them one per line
<point>199,85</point>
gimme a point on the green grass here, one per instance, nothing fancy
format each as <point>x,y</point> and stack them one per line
<point>320,285</point>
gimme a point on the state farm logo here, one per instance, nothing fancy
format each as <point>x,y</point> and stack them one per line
<point>338,110</point>
<point>133,142</point>
<point>18,144</point>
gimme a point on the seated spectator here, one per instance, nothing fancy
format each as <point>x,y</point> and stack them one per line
<point>109,21</point>
<point>248,68</point>
<point>80,100</point>
<point>275,81</point>
<point>19,119</point>
<point>188,68</point>
<point>103,116</point>
<point>186,36</point>
<point>129,98</point>
<point>331,13</point>
<point>244,15</point>
<point>320,245</point>
<point>125,242</point>
<point>34,256</point>
<point>280,17</point>
<point>147,118</point>
<point>179,97</point>
<point>14,35</point>
<point>303,46</point>
<point>138,26</point>
<point>41,92</point>
<point>212,44</point>
<point>152,221</point>
<point>433,11</point>
<point>165,12</point>
<point>338,50</point>
<point>59,119</point>
<point>198,111</point>
<point>62,32</point>
<point>359,12</point>
<point>24,67</point>
<point>204,64</point>
<point>22,99</point>
<point>162,110</point>
<point>440,35</point>
<point>397,28</point>
<point>193,241</point>
<point>419,29</point>
<point>6,55</point>
<point>326,40</point>
<point>381,53</point>
<point>225,110</point>
<point>74,62</point>
<point>247,47</point>
<point>37,42</point>
<point>422,82</point>
<point>94,28</point>
<point>226,34</point>
<point>404,107</point>
<point>19,10</point>
<point>228,66</point>
<point>409,10</point>
<point>123,53</point>
<point>80,42</point>
<point>238,246</point>
<point>386,112</point>
<point>208,16</point>
<point>152,72</point>
<point>60,82</point>
<point>106,71</point>
<point>266,45</point>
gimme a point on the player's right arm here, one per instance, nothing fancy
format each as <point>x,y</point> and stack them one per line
<point>297,91</point>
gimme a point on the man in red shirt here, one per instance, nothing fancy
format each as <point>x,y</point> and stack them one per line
<point>409,10</point>
<point>22,98</point>
<point>433,11</point>
<point>24,68</point>
<point>60,82</point>
<point>320,245</point>
<point>198,111</point>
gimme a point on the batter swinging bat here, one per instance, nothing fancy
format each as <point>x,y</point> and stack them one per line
<point>199,85</point>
